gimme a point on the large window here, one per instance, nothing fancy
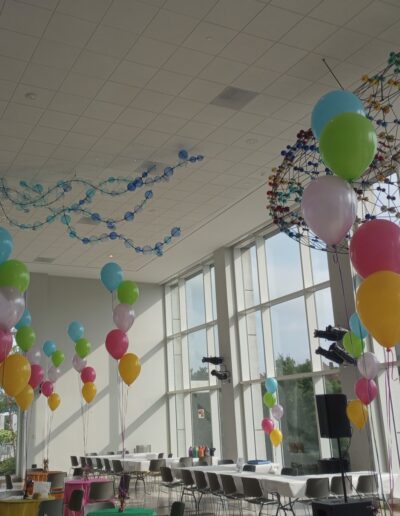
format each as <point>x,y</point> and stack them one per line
<point>192,334</point>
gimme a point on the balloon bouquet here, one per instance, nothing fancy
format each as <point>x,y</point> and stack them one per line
<point>276,410</point>
<point>76,332</point>
<point>53,373</point>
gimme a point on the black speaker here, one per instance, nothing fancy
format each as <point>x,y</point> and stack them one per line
<point>332,417</point>
<point>340,508</point>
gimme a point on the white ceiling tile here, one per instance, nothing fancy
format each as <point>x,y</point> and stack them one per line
<point>209,38</point>
<point>47,134</point>
<point>7,89</point>
<point>24,18</point>
<point>208,149</point>
<point>151,100</point>
<point>203,91</point>
<point>168,82</point>
<point>347,72</point>
<point>222,70</point>
<point>275,146</point>
<point>83,85</point>
<point>234,14</point>
<point>170,27</point>
<point>243,121</point>
<point>95,65</point>
<point>29,160</point>
<point>43,76</point>
<point>151,52</point>
<point>90,10</point>
<point>255,79</point>
<point>7,157</point>
<point>290,134</point>
<point>151,138</point>
<point>55,54</point>
<point>22,114</point>
<point>313,93</point>
<point>215,115</point>
<point>246,48</point>
<point>69,103</point>
<point>103,111</point>
<point>98,159</point>
<point>79,140</point>
<point>272,22</point>
<point>192,8</point>
<point>68,153</point>
<point>252,141</point>
<point>167,123</point>
<point>11,69</point>
<point>280,57</point>
<point>14,129</point>
<point>90,126</point>
<point>287,87</point>
<point>70,30</point>
<point>310,67</point>
<point>38,148</point>
<point>188,61</point>
<point>108,145</point>
<point>19,46</point>
<point>136,117</point>
<point>241,169</point>
<point>272,127</point>
<point>46,4</point>
<point>257,158</point>
<point>292,111</point>
<point>375,18</point>
<point>225,135</point>
<point>133,74</point>
<point>298,6</point>
<point>58,120</point>
<point>134,151</point>
<point>196,130</point>
<point>264,105</point>
<point>217,165</point>
<point>130,15</point>
<point>234,154</point>
<point>340,11</point>
<point>342,44</point>
<point>373,55</point>
<point>58,167</point>
<point>391,34</point>
<point>11,144</point>
<point>22,95</point>
<point>117,93</point>
<point>308,33</point>
<point>183,108</point>
<point>121,133</point>
<point>111,42</point>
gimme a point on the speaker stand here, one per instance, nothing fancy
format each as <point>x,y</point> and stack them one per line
<point>342,471</point>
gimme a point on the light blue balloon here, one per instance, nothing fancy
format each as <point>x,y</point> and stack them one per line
<point>271,384</point>
<point>49,347</point>
<point>111,276</point>
<point>357,327</point>
<point>76,330</point>
<point>6,245</point>
<point>332,104</point>
<point>26,320</point>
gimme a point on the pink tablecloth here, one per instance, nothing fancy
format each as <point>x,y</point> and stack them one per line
<point>71,485</point>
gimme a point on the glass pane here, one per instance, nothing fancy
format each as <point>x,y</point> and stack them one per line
<point>8,431</point>
<point>197,348</point>
<point>290,337</point>
<point>201,419</point>
<point>266,413</point>
<point>255,343</point>
<point>176,318</point>
<point>319,262</point>
<point>250,277</point>
<point>283,265</point>
<point>299,425</point>
<point>196,313</point>
<point>216,340</point>
<point>323,305</point>
<point>213,294</point>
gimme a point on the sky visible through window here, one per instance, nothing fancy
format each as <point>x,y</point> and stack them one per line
<point>195,309</point>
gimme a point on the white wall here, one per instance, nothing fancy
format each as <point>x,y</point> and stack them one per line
<point>54,302</point>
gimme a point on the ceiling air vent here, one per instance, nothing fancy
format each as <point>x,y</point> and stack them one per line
<point>43,259</point>
<point>88,221</point>
<point>233,98</point>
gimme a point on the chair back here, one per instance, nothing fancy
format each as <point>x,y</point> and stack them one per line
<point>96,506</point>
<point>78,472</point>
<point>83,462</point>
<point>225,461</point>
<point>249,467</point>
<point>317,488</point>
<point>99,464</point>
<point>367,484</point>
<point>9,484</point>
<point>155,465</point>
<point>101,491</point>
<point>110,453</point>
<point>213,482</point>
<point>166,474</point>
<point>170,455</point>
<point>202,462</point>
<point>107,466</point>
<point>290,471</point>
<point>200,479</point>
<point>177,509</point>
<point>228,484</point>
<point>337,485</point>
<point>74,461</point>
<point>161,455</point>
<point>252,488</point>
<point>50,508</point>
<point>186,462</point>
<point>117,466</point>
<point>187,478</point>
<point>89,462</point>
<point>56,480</point>
<point>75,501</point>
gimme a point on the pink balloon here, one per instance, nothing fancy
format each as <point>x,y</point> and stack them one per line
<point>329,207</point>
<point>117,343</point>
<point>37,376</point>
<point>53,374</point>
<point>366,390</point>
<point>368,365</point>
<point>277,411</point>
<point>88,374</point>
<point>12,306</point>
<point>78,363</point>
<point>6,342</point>
<point>375,246</point>
<point>47,388</point>
<point>267,425</point>
<point>123,316</point>
<point>33,355</point>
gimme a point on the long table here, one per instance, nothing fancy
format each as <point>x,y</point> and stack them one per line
<point>132,464</point>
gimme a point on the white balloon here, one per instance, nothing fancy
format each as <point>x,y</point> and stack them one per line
<point>53,374</point>
<point>33,355</point>
<point>78,363</point>
<point>368,365</point>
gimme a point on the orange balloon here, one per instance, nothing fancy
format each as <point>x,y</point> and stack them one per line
<point>15,372</point>
<point>53,401</point>
<point>89,391</point>
<point>25,397</point>
<point>357,412</point>
<point>129,368</point>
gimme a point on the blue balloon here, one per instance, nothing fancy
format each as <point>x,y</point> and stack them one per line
<point>6,245</point>
<point>49,347</point>
<point>332,104</point>
<point>26,320</point>
<point>357,327</point>
<point>271,384</point>
<point>76,330</point>
<point>111,276</point>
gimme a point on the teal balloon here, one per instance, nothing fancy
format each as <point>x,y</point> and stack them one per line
<point>332,104</point>
<point>271,384</point>
<point>76,330</point>
<point>6,245</point>
<point>357,327</point>
<point>111,276</point>
<point>49,347</point>
<point>26,320</point>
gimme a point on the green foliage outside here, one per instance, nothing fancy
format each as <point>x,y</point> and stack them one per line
<point>7,466</point>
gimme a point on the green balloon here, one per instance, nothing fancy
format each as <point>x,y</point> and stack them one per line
<point>82,348</point>
<point>14,273</point>
<point>353,345</point>
<point>128,292</point>
<point>348,145</point>
<point>269,399</point>
<point>57,358</point>
<point>25,338</point>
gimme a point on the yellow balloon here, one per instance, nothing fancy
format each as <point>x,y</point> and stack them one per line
<point>25,397</point>
<point>53,401</point>
<point>15,372</point>
<point>276,437</point>
<point>378,305</point>
<point>89,391</point>
<point>357,412</point>
<point>129,368</point>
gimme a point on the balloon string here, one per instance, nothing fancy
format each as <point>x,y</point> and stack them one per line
<point>389,424</point>
<point>82,417</point>
<point>50,423</point>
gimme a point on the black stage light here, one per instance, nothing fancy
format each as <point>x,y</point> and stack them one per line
<point>213,360</point>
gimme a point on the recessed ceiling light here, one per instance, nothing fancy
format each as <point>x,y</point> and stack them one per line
<point>251,141</point>
<point>31,95</point>
<point>208,38</point>
<point>110,256</point>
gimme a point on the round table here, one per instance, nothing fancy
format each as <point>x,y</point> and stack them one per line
<point>19,507</point>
